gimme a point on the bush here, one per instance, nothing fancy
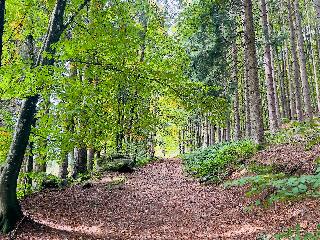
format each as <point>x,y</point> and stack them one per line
<point>40,181</point>
<point>217,162</point>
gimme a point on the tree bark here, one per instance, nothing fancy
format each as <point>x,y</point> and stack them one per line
<point>63,168</point>
<point>90,159</point>
<point>303,64</point>
<point>2,11</point>
<point>237,129</point>
<point>29,165</point>
<point>253,80</point>
<point>296,71</point>
<point>80,163</point>
<point>273,121</point>
<point>247,97</point>
<point>317,7</point>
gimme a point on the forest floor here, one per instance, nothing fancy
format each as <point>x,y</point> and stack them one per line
<point>156,202</point>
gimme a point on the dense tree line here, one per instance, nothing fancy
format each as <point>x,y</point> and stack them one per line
<point>268,55</point>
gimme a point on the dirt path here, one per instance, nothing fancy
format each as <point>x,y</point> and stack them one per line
<point>156,202</point>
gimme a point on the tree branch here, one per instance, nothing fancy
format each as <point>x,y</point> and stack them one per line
<point>71,19</point>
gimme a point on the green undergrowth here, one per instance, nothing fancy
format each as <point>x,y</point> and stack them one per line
<point>295,132</point>
<point>217,162</point>
<point>298,234</point>
<point>39,180</point>
<point>267,184</point>
<point>269,188</point>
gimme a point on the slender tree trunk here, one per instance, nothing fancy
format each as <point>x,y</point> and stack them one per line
<point>98,159</point>
<point>247,97</point>
<point>90,159</point>
<point>283,94</point>
<point>317,7</point>
<point>63,168</point>
<point>213,137</point>
<point>2,21</point>
<point>80,164</point>
<point>255,98</point>
<point>273,121</point>
<point>237,129</point>
<point>303,63</point>
<point>219,135</point>
<point>29,165</point>
<point>296,71</point>
<point>314,65</point>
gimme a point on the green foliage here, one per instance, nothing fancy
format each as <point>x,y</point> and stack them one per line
<point>298,234</point>
<point>279,187</point>
<point>39,180</point>
<point>261,169</point>
<point>144,161</point>
<point>308,132</point>
<point>215,163</point>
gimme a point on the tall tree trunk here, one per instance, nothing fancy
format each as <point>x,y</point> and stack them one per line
<point>317,7</point>
<point>80,163</point>
<point>237,130</point>
<point>29,165</point>
<point>303,63</point>
<point>10,210</point>
<point>90,159</point>
<point>255,98</point>
<point>314,63</point>
<point>63,168</point>
<point>2,11</point>
<point>247,97</point>
<point>296,71</point>
<point>283,93</point>
<point>273,121</point>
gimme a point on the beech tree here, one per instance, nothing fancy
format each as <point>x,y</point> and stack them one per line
<point>10,211</point>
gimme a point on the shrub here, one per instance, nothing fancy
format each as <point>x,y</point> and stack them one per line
<point>40,181</point>
<point>216,162</point>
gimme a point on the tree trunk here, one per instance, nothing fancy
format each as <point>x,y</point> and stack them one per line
<point>90,159</point>
<point>228,131</point>
<point>237,130</point>
<point>296,71</point>
<point>247,97</point>
<point>283,87</point>
<point>98,159</point>
<point>2,21</point>
<point>29,165</point>
<point>317,7</point>
<point>303,64</point>
<point>255,98</point>
<point>10,210</point>
<point>63,168</point>
<point>80,163</point>
<point>273,121</point>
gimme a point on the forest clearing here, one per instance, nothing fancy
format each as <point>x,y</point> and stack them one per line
<point>158,119</point>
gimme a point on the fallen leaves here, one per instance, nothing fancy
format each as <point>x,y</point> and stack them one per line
<point>156,202</point>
